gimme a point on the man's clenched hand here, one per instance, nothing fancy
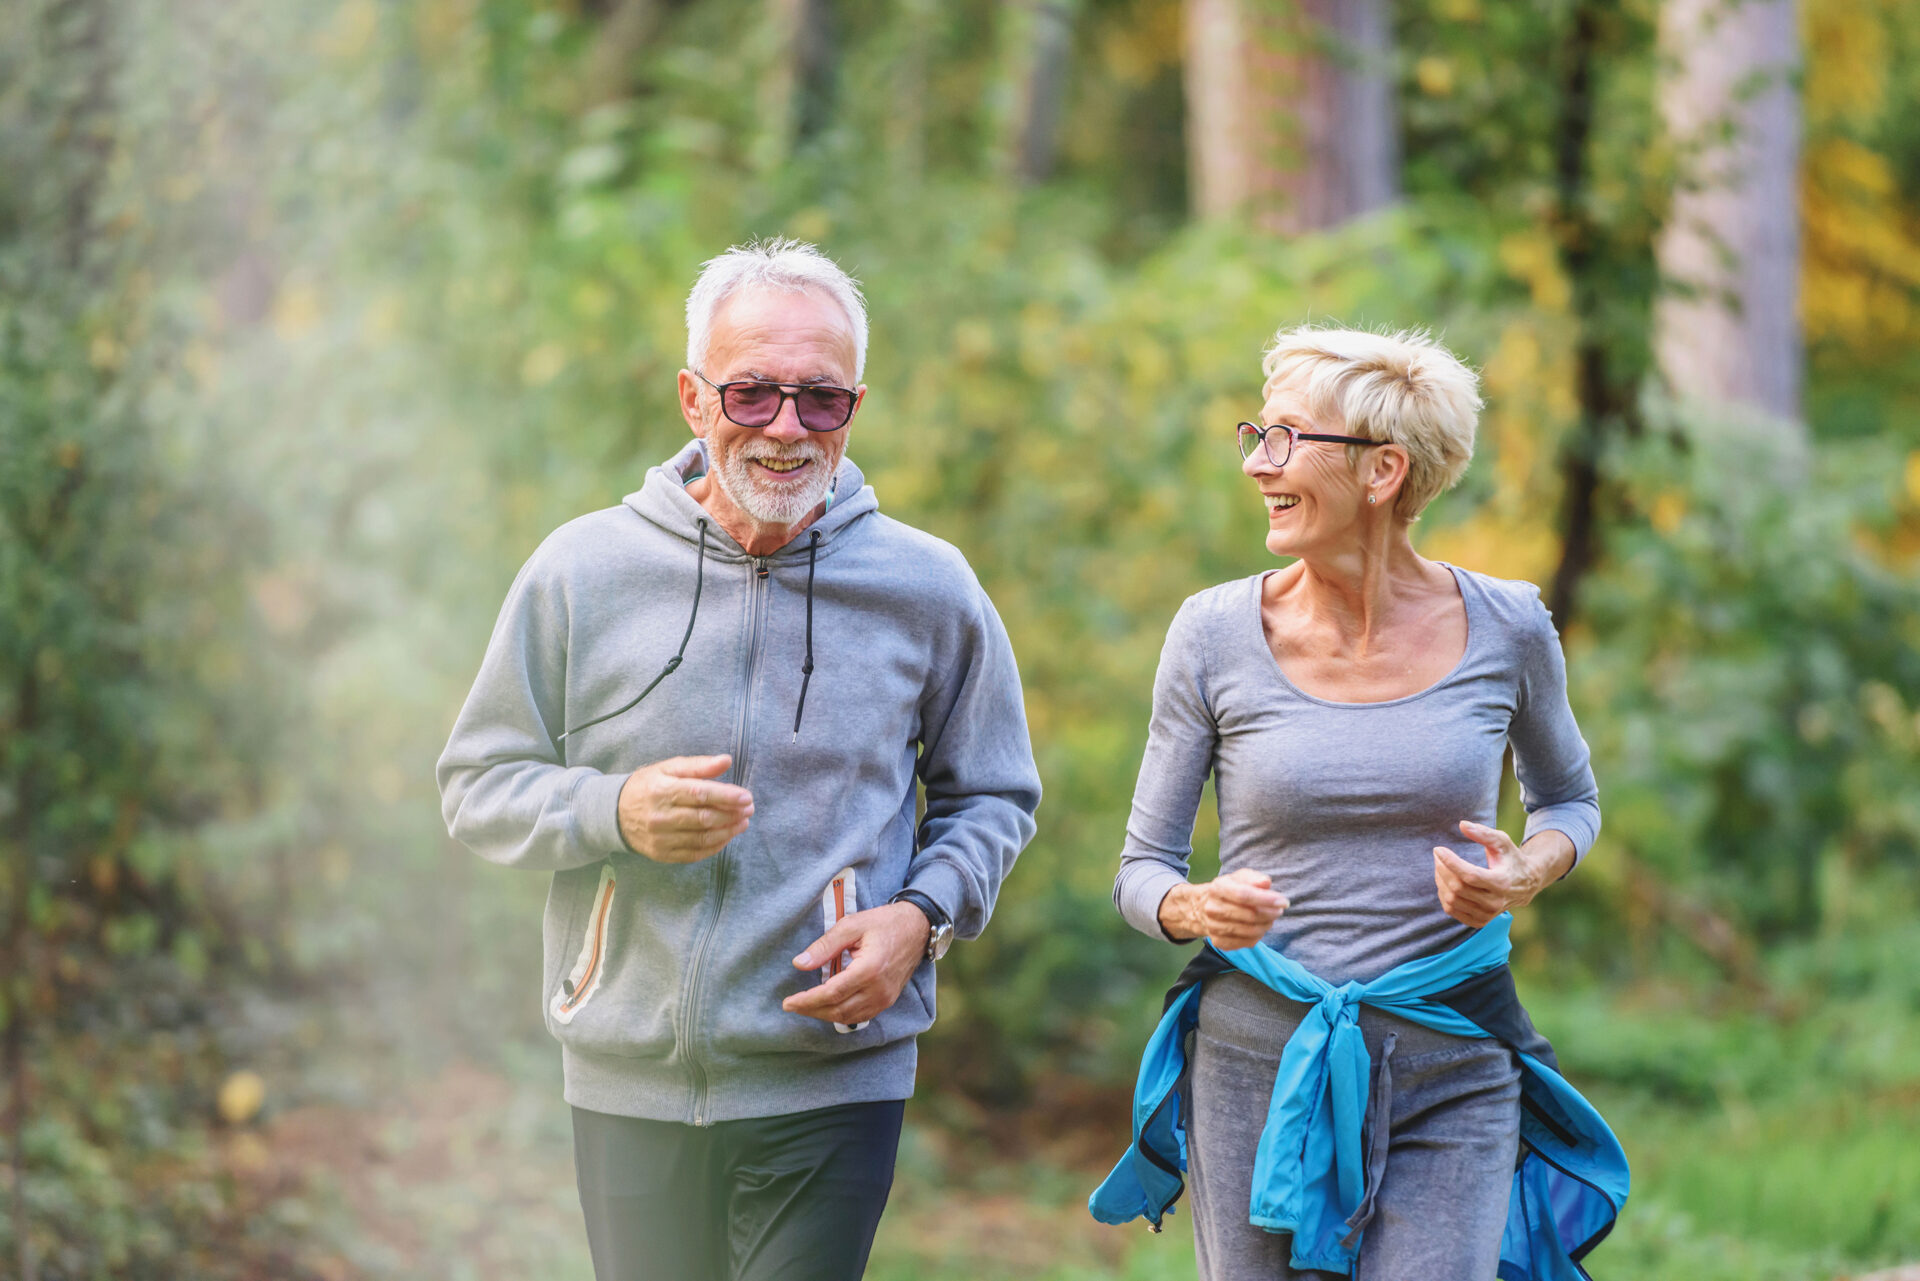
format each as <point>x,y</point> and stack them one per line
<point>671,813</point>
<point>888,943</point>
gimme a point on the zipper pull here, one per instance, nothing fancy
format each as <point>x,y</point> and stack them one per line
<point>759,568</point>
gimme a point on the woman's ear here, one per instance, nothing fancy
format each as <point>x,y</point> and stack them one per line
<point>1387,471</point>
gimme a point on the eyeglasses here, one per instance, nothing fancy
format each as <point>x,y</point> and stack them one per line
<point>752,403</point>
<point>1252,435</point>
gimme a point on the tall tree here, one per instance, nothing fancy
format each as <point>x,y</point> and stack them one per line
<point>1727,327</point>
<point>1042,41</point>
<point>800,87</point>
<point>1290,114</point>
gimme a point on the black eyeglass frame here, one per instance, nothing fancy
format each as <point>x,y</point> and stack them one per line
<point>853,400</point>
<point>1294,437</point>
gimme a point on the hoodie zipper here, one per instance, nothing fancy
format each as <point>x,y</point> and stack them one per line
<point>756,625</point>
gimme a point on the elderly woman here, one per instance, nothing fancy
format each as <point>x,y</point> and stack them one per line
<point>1351,1099</point>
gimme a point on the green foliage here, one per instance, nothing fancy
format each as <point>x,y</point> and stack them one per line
<point>341,308</point>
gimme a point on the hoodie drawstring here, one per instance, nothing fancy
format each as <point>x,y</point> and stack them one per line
<point>673,664</point>
<point>806,668</point>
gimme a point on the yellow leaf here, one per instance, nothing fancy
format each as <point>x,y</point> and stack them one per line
<point>241,1096</point>
<point>543,364</point>
<point>296,311</point>
<point>351,32</point>
<point>1669,509</point>
<point>1434,76</point>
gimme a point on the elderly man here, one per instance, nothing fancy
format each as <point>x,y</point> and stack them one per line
<point>705,712</point>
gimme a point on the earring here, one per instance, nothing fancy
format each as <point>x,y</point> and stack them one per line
<point>1372,499</point>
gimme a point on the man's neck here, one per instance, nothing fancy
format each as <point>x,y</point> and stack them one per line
<point>756,538</point>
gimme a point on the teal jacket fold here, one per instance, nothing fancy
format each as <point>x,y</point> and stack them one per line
<point>1311,1173</point>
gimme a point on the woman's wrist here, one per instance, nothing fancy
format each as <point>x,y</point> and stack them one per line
<point>1180,913</point>
<point>1547,855</point>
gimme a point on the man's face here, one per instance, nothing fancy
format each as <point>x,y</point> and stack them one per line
<point>776,475</point>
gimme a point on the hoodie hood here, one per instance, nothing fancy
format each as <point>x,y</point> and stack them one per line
<point>663,499</point>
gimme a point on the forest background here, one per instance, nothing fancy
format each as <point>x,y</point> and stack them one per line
<point>316,317</point>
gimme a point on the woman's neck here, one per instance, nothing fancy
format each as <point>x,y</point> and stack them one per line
<point>1357,595</point>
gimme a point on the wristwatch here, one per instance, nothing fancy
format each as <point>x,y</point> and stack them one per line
<point>942,936</point>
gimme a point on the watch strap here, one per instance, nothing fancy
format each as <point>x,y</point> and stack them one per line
<point>940,928</point>
<point>935,917</point>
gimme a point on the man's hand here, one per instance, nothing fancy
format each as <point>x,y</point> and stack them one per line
<point>888,943</point>
<point>1235,910</point>
<point>1513,874</point>
<point>670,813</point>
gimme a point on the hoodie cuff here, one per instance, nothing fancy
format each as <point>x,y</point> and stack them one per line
<point>596,813</point>
<point>943,883</point>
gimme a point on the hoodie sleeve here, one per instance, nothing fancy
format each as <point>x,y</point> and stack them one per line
<point>503,790</point>
<point>977,767</point>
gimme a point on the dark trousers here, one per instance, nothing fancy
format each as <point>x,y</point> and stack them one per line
<point>776,1198</point>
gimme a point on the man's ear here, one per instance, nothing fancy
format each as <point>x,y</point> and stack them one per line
<point>690,403</point>
<point>859,399</point>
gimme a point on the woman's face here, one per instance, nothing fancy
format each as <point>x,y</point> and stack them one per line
<point>1315,502</point>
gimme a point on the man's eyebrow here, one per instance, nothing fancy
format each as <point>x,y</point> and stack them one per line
<point>812,380</point>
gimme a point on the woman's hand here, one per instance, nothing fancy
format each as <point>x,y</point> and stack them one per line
<point>1513,874</point>
<point>1235,910</point>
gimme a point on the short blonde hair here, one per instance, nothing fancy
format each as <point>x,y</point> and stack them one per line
<point>1404,388</point>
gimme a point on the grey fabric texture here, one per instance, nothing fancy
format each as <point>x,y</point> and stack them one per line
<point>1453,1107</point>
<point>679,971</point>
<point>1343,803</point>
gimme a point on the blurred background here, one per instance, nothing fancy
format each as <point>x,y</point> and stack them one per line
<point>315,317</point>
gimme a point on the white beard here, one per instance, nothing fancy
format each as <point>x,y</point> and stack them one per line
<point>766,499</point>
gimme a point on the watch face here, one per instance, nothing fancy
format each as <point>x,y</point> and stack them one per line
<point>940,941</point>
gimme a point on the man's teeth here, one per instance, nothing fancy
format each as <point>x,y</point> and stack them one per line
<point>1276,502</point>
<point>782,464</point>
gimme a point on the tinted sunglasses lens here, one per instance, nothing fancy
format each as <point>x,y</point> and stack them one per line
<point>750,404</point>
<point>824,408</point>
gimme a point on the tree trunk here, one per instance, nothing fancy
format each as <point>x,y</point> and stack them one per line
<point>1043,42</point>
<point>1590,256</point>
<point>607,75</point>
<point>799,89</point>
<point>20,975</point>
<point>1727,326</point>
<point>1290,115</point>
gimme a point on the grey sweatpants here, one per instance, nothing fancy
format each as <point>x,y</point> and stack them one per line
<point>1442,1202</point>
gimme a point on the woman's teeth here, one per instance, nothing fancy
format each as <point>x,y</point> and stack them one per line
<point>1277,502</point>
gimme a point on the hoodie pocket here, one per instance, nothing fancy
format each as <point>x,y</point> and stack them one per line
<point>584,979</point>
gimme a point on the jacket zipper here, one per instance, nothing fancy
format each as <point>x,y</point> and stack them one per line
<point>756,620</point>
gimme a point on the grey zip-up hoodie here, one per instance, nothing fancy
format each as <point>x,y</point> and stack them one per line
<point>663,983</point>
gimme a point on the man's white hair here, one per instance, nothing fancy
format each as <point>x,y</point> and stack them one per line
<point>1404,388</point>
<point>773,263</point>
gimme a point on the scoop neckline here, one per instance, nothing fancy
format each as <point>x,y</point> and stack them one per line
<point>1260,636</point>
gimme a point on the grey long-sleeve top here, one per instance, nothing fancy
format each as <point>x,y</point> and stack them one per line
<point>1342,803</point>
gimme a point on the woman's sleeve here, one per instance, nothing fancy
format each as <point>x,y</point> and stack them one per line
<point>1550,758</point>
<point>1181,739</point>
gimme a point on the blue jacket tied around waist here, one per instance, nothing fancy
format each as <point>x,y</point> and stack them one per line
<point>1323,1147</point>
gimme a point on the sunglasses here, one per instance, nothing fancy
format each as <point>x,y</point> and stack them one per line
<point>752,403</point>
